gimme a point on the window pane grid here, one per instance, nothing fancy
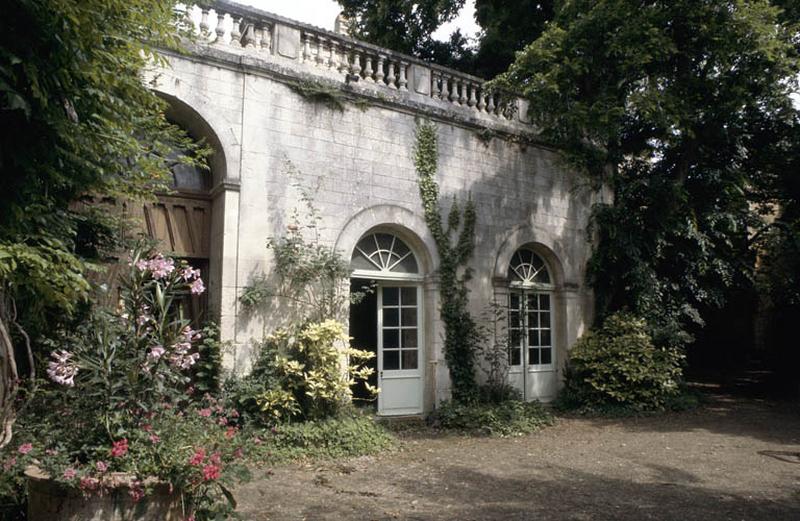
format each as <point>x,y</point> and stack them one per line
<point>530,328</point>
<point>400,331</point>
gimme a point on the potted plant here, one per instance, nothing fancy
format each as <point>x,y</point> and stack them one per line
<point>118,433</point>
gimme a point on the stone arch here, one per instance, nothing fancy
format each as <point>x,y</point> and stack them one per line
<point>221,194</point>
<point>542,384</point>
<point>185,116</point>
<point>404,223</point>
<point>524,236</point>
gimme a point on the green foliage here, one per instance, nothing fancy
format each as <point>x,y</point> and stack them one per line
<point>316,92</point>
<point>511,417</point>
<point>492,350</point>
<point>316,369</point>
<point>206,372</point>
<point>403,25</point>
<point>683,109</point>
<point>618,365</point>
<point>121,401</point>
<point>309,274</point>
<point>461,334</point>
<point>306,369</point>
<point>347,436</point>
<point>84,123</point>
<point>506,27</point>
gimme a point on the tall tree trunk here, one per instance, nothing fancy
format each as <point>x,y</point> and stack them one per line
<point>9,382</point>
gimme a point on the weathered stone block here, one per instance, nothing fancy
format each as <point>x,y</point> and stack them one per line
<point>288,41</point>
<point>420,78</point>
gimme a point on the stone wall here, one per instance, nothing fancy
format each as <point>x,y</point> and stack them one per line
<point>358,162</point>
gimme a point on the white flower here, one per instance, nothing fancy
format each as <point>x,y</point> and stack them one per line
<point>61,370</point>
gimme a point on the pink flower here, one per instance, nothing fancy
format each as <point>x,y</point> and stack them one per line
<point>197,458</point>
<point>154,438</point>
<point>25,448</point>
<point>141,264</point>
<point>102,466</point>
<point>205,413</point>
<point>197,287</point>
<point>70,473</point>
<point>147,427</point>
<point>238,453</point>
<point>160,266</point>
<point>190,273</point>
<point>222,422</point>
<point>88,484</point>
<point>136,491</point>
<point>211,472</point>
<point>9,463</point>
<point>215,459</point>
<point>61,370</point>
<point>230,432</point>
<point>155,353</point>
<point>119,448</point>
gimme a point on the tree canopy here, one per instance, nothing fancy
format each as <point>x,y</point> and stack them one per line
<point>684,110</point>
<point>407,26</point>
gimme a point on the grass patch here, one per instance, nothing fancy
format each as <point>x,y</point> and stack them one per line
<point>506,418</point>
<point>343,437</point>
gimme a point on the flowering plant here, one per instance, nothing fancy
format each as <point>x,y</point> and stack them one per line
<point>121,399</point>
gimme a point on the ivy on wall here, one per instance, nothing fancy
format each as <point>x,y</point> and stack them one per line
<point>455,243</point>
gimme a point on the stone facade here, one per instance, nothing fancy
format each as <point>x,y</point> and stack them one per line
<point>235,89</point>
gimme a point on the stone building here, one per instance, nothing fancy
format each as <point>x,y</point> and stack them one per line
<point>237,88</point>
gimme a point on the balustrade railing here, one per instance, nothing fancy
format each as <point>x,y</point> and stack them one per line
<point>224,23</point>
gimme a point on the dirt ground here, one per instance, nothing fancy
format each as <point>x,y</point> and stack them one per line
<point>733,459</point>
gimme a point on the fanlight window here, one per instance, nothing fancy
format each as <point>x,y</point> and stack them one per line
<point>383,252</point>
<point>528,268</point>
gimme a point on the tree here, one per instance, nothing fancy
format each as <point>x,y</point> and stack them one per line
<point>406,26</point>
<point>683,108</point>
<point>506,27</point>
<point>82,124</point>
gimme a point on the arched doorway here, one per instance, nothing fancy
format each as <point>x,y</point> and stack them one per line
<point>387,319</point>
<point>531,342</point>
<point>181,224</point>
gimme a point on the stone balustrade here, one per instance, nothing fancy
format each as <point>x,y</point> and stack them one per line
<point>227,24</point>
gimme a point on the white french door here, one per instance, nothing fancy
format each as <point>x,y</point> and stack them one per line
<point>400,355</point>
<point>531,351</point>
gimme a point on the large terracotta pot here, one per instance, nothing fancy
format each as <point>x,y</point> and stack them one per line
<point>52,501</point>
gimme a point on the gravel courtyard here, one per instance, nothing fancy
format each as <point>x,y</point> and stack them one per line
<point>733,459</point>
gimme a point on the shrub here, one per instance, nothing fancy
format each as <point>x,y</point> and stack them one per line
<point>119,400</point>
<point>506,418</point>
<point>306,372</point>
<point>346,436</point>
<point>618,365</point>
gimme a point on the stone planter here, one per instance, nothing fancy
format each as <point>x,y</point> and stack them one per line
<point>52,501</point>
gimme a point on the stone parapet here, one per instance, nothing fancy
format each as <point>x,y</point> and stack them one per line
<point>246,36</point>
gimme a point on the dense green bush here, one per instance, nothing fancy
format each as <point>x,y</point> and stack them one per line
<point>618,365</point>
<point>345,436</point>
<point>506,418</point>
<point>300,374</point>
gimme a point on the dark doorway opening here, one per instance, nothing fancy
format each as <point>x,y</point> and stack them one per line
<point>364,331</point>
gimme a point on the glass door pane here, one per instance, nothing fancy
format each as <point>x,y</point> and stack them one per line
<point>515,328</point>
<point>399,328</point>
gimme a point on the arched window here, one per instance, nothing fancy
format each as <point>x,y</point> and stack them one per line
<point>530,314</point>
<point>385,254</point>
<point>387,319</point>
<point>527,268</point>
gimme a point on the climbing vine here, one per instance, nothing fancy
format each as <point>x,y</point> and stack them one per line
<point>455,243</point>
